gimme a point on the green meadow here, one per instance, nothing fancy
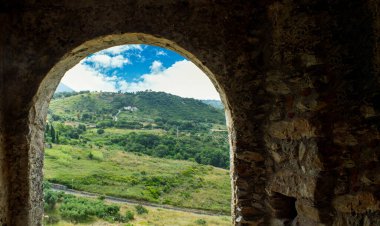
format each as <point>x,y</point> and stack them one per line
<point>122,174</point>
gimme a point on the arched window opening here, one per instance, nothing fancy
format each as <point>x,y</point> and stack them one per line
<point>133,132</point>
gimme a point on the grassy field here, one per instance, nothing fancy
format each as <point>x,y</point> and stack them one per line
<point>162,217</point>
<point>158,217</point>
<point>118,173</point>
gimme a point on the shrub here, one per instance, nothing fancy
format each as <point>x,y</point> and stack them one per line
<point>80,209</point>
<point>50,198</point>
<point>90,156</point>
<point>200,222</point>
<point>100,131</point>
<point>129,215</point>
<point>124,219</point>
<point>46,185</point>
<point>141,210</point>
<point>111,210</point>
<point>76,210</point>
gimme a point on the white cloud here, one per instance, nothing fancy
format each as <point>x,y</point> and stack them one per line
<point>119,49</point>
<point>113,57</point>
<point>82,77</point>
<point>104,61</point>
<point>161,53</point>
<point>183,78</point>
<point>156,67</point>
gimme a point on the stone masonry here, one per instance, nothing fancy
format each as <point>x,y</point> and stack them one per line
<point>299,79</point>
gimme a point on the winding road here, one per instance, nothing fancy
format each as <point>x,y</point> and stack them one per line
<point>63,188</point>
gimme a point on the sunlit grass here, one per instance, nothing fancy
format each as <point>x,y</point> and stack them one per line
<point>117,173</point>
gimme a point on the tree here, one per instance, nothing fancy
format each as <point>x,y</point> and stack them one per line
<point>52,133</point>
<point>47,128</point>
<point>57,137</point>
<point>82,127</point>
<point>161,150</point>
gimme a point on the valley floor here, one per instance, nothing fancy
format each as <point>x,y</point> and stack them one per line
<point>127,175</point>
<point>157,216</point>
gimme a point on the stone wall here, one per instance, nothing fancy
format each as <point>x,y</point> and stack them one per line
<point>3,165</point>
<point>323,133</point>
<point>299,78</point>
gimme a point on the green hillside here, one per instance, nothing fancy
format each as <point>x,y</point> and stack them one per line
<point>150,105</point>
<point>152,123</point>
<point>214,103</point>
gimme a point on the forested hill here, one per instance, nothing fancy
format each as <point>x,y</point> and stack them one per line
<point>152,123</point>
<point>97,106</point>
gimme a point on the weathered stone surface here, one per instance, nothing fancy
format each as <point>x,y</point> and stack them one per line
<point>299,79</point>
<point>359,203</point>
<point>305,209</point>
<point>343,136</point>
<point>251,156</point>
<point>367,111</point>
<point>295,129</point>
<point>293,184</point>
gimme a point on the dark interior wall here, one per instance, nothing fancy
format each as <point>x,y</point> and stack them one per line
<point>42,34</point>
<point>3,166</point>
<point>300,80</point>
<point>324,136</point>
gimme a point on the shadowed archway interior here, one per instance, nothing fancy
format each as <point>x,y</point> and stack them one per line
<point>299,79</point>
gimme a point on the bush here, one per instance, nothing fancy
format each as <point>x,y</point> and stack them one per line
<point>81,209</point>
<point>123,219</point>
<point>129,215</point>
<point>76,210</point>
<point>46,185</point>
<point>50,199</point>
<point>100,131</point>
<point>200,222</point>
<point>141,210</point>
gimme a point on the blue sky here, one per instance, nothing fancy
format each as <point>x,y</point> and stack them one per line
<point>131,68</point>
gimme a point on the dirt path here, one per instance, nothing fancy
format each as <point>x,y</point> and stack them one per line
<point>59,187</point>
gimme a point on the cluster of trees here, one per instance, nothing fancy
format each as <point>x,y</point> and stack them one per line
<point>199,148</point>
<point>50,134</point>
<point>157,123</point>
<point>59,133</point>
<point>67,94</point>
<point>183,125</point>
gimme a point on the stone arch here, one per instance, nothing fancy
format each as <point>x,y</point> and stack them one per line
<point>302,79</point>
<point>51,80</point>
<point>48,85</point>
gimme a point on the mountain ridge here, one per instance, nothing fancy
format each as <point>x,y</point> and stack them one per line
<point>149,103</point>
<point>62,88</point>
